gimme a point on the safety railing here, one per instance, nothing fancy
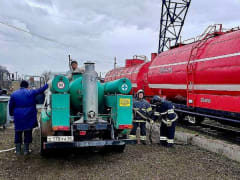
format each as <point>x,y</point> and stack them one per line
<point>142,57</point>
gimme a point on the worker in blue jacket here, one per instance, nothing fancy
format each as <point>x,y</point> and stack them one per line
<point>22,106</point>
<point>163,111</point>
<point>141,111</point>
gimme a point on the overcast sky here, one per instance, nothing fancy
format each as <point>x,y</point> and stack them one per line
<point>95,30</point>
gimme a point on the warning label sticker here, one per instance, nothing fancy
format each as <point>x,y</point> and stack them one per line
<point>124,102</point>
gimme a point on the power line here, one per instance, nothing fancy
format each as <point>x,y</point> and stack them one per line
<point>34,34</point>
<point>54,41</point>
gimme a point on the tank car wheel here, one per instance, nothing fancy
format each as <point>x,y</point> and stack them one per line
<point>194,120</point>
<point>180,117</point>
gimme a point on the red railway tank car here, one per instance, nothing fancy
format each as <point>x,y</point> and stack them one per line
<point>136,70</point>
<point>201,78</point>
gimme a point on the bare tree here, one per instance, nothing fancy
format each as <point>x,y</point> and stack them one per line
<point>46,75</point>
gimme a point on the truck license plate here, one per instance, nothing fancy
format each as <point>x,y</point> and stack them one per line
<point>60,139</point>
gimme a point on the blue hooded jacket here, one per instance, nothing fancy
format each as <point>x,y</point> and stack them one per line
<point>22,106</point>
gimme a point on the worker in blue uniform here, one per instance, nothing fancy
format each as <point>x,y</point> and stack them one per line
<point>141,111</point>
<point>22,107</point>
<point>163,110</point>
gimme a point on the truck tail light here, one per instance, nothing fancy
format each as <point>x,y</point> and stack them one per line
<point>125,126</point>
<point>82,133</point>
<point>60,128</point>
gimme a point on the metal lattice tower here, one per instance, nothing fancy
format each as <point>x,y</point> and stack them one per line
<point>171,23</point>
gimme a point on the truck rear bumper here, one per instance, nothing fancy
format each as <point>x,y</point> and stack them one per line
<point>82,144</point>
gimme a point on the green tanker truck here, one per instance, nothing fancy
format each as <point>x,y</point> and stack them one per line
<point>86,113</point>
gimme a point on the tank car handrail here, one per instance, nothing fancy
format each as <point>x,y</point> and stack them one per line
<point>210,30</point>
<point>192,40</point>
<point>207,31</point>
<point>217,28</point>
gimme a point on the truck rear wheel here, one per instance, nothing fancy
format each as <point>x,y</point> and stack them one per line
<point>43,152</point>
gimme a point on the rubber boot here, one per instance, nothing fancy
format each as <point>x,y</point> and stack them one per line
<point>18,149</point>
<point>143,142</point>
<point>169,145</point>
<point>163,143</point>
<point>26,149</point>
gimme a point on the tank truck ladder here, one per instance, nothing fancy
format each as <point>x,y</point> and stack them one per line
<point>211,31</point>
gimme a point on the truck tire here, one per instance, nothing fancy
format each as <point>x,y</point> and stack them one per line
<point>43,152</point>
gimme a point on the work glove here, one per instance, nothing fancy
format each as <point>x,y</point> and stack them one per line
<point>49,82</point>
<point>169,123</point>
<point>151,122</point>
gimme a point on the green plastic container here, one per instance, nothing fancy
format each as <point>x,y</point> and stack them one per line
<point>3,110</point>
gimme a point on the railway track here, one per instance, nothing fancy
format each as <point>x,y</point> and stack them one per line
<point>219,131</point>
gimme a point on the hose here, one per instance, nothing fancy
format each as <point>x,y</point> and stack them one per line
<point>6,150</point>
<point>150,133</point>
<point>43,107</point>
<point>45,104</point>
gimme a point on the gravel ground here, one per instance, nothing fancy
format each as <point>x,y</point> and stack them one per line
<point>137,162</point>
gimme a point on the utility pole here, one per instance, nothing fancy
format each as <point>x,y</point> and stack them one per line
<point>69,62</point>
<point>115,62</point>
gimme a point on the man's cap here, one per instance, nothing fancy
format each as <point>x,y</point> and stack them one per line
<point>24,84</point>
<point>74,62</point>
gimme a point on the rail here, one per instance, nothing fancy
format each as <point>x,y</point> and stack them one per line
<point>219,132</point>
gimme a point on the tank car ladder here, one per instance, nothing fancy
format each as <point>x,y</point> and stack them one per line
<point>211,31</point>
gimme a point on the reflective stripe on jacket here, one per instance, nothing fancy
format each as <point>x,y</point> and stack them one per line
<point>166,111</point>
<point>143,107</point>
